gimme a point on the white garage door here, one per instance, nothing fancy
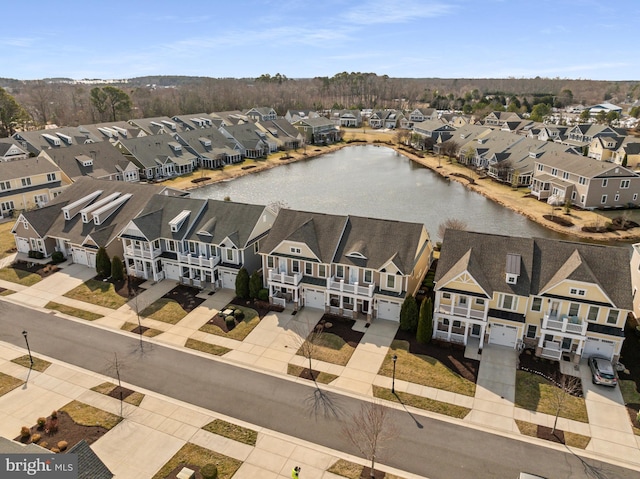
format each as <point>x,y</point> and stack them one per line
<point>91,259</point>
<point>503,335</point>
<point>388,310</point>
<point>23,245</point>
<point>172,271</point>
<point>314,298</point>
<point>598,347</point>
<point>79,256</point>
<point>228,280</point>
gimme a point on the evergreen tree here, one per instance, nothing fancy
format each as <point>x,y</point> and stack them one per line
<point>242,284</point>
<point>103,263</point>
<point>409,314</point>
<point>255,285</point>
<point>425,322</point>
<point>117,269</point>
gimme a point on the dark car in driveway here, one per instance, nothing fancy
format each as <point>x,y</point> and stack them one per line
<point>602,371</point>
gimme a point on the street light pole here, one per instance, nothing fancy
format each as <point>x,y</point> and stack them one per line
<point>24,333</point>
<point>393,379</point>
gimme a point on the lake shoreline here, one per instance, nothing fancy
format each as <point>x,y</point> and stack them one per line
<point>500,194</point>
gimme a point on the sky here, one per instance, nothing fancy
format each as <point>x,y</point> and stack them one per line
<point>588,39</point>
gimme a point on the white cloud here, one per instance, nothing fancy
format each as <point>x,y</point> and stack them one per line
<point>381,11</point>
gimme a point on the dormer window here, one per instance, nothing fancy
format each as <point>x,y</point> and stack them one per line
<point>577,292</point>
<point>512,268</point>
<point>295,250</point>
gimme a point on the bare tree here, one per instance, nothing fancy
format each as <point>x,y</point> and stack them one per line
<point>307,340</point>
<point>567,386</point>
<point>451,224</point>
<point>369,431</point>
<point>450,148</point>
<point>116,366</point>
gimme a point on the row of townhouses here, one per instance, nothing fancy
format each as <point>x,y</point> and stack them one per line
<point>565,300</point>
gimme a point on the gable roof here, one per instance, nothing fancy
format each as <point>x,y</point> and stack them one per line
<point>89,464</point>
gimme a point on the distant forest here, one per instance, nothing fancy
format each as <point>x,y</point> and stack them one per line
<point>59,101</point>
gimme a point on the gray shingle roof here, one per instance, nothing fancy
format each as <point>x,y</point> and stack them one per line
<point>222,219</point>
<point>107,160</point>
<point>89,464</point>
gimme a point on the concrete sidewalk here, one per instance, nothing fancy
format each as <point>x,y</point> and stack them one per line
<point>151,433</point>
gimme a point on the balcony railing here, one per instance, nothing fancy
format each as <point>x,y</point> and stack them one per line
<point>142,253</point>
<point>454,338</point>
<point>461,311</point>
<point>283,278</point>
<point>565,324</point>
<point>551,350</point>
<point>354,288</point>
<point>203,261</point>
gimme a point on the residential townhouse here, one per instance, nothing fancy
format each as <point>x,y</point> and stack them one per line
<point>89,214</point>
<point>347,265</point>
<point>158,156</point>
<point>36,141</point>
<point>499,118</point>
<point>197,121</point>
<point>581,135</point>
<point>286,136</point>
<point>294,115</point>
<point>157,126</point>
<point>249,140</point>
<point>211,148</point>
<point>602,148</point>
<point>346,118</point>
<point>10,150</point>
<point>388,119</point>
<point>628,154</point>
<point>231,117</point>
<point>586,182</point>
<point>263,113</point>
<point>318,131</point>
<point>564,300</point>
<point>27,184</point>
<point>198,242</point>
<point>418,115</point>
<point>113,131</point>
<point>549,133</point>
<point>100,160</point>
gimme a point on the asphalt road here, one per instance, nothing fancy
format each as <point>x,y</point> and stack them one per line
<point>421,445</point>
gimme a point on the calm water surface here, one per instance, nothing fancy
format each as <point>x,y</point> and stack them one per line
<point>377,182</point>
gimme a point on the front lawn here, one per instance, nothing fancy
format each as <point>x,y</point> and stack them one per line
<point>535,393</point>
<point>232,431</point>
<point>39,365</point>
<point>424,370</point>
<point>421,402</point>
<point>240,330</point>
<point>8,383</point>
<point>7,241</point>
<point>100,293</point>
<point>196,456</point>
<point>165,310</point>
<point>206,347</point>
<point>19,276</point>
<point>71,311</point>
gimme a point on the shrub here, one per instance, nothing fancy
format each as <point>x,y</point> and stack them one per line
<point>57,257</point>
<point>230,321</point>
<point>209,471</point>
<point>425,322</point>
<point>55,450</point>
<point>54,414</point>
<point>409,314</point>
<point>117,269</point>
<point>238,314</point>
<point>255,285</point>
<point>242,284</point>
<point>52,424</point>
<point>263,294</point>
<point>62,445</point>
<point>103,263</point>
<point>36,437</point>
<point>41,422</point>
<point>25,431</point>
<point>44,444</point>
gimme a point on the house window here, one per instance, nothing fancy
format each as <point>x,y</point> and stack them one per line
<point>582,180</point>
<point>540,167</point>
<point>574,195</point>
<point>391,281</point>
<point>532,329</point>
<point>295,250</point>
<point>616,198</point>
<point>322,271</point>
<point>624,184</point>
<point>509,302</point>
<point>229,254</point>
<point>5,185</point>
<point>635,196</point>
<point>295,266</point>
<point>457,324</point>
<point>605,182</point>
<point>156,244</point>
<point>308,269</point>
<point>171,245</point>
<point>554,171</point>
<point>339,271</point>
<point>577,292</point>
<point>593,313</point>
<point>574,309</point>
<point>612,317</point>
<point>479,301</point>
<point>256,247</point>
<point>536,304</point>
<point>26,181</point>
<point>582,199</point>
<point>368,276</point>
<point>462,300</point>
<point>51,177</point>
<point>446,295</point>
<point>270,262</point>
<point>565,175</point>
<point>604,199</point>
<point>7,205</point>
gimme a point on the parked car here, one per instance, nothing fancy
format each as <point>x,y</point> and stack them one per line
<point>602,371</point>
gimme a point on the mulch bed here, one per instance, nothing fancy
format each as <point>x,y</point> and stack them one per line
<point>310,374</point>
<point>632,410</point>
<point>341,327</point>
<point>127,287</point>
<point>115,393</point>
<point>139,330</point>
<point>67,431</point>
<point>546,368</point>
<point>559,220</point>
<point>219,321</point>
<point>185,296</point>
<point>43,270</point>
<point>449,354</point>
<point>366,474</point>
<point>545,433</point>
<point>262,307</point>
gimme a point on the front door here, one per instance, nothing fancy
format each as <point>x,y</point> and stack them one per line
<point>555,305</point>
<point>475,330</point>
